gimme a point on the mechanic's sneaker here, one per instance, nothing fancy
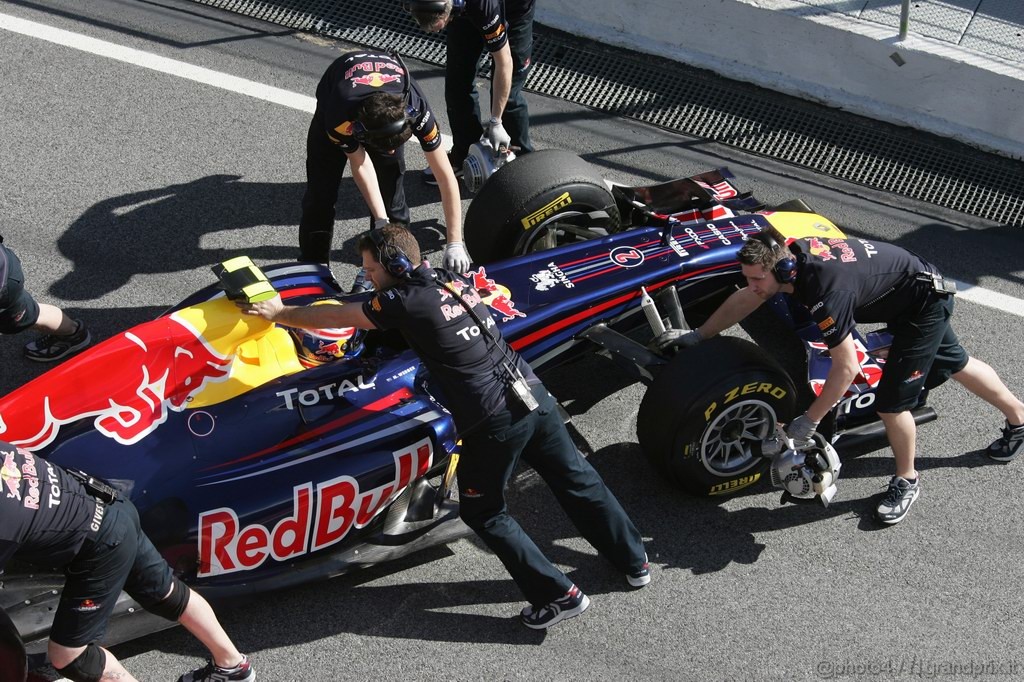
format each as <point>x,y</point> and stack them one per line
<point>898,498</point>
<point>641,577</point>
<point>428,174</point>
<point>361,283</point>
<point>1009,446</point>
<point>242,672</point>
<point>51,347</point>
<point>572,604</point>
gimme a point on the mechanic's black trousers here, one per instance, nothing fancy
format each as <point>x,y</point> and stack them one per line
<point>490,454</point>
<point>465,44</point>
<point>325,163</point>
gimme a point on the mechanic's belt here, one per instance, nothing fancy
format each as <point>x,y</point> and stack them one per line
<point>939,284</point>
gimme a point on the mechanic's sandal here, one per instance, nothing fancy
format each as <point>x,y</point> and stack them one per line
<point>1009,446</point>
<point>640,577</point>
<point>898,498</point>
<point>242,672</point>
<point>572,604</point>
<point>51,347</point>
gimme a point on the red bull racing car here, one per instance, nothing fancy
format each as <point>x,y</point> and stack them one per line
<point>261,457</point>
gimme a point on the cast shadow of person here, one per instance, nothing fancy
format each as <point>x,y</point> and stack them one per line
<point>162,230</point>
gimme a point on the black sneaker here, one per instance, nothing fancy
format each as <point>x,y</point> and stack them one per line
<point>242,672</point>
<point>428,174</point>
<point>897,500</point>
<point>51,347</point>
<point>641,577</point>
<point>572,604</point>
<point>1007,447</point>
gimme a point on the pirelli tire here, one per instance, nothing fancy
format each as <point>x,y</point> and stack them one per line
<point>704,410</point>
<point>530,196</point>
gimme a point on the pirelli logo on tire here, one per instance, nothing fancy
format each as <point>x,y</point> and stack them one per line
<point>546,211</point>
<point>734,485</point>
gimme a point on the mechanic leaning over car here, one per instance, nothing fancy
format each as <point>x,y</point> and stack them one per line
<point>845,281</point>
<point>367,106</point>
<point>19,311</point>
<point>502,412</point>
<point>505,29</point>
<point>54,518</point>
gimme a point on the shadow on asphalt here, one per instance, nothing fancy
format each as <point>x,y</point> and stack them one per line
<point>171,229</point>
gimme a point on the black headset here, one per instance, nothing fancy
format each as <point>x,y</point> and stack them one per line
<point>784,269</point>
<point>432,5</point>
<point>363,135</point>
<point>391,256</point>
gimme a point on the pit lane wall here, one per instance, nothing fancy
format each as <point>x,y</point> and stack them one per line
<point>834,59</point>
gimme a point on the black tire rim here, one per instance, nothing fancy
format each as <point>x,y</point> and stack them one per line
<point>558,230</point>
<point>725,443</point>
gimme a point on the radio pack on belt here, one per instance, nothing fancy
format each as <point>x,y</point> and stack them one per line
<point>941,285</point>
<point>101,490</point>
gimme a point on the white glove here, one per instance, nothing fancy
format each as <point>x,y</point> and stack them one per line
<point>677,338</point>
<point>456,258</point>
<point>496,135</point>
<point>801,429</point>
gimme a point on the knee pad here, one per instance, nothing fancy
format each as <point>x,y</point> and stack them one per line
<point>88,667</point>
<point>174,605</point>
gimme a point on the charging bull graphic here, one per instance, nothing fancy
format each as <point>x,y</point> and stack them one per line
<point>127,385</point>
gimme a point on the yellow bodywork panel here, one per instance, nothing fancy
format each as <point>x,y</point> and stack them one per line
<point>799,225</point>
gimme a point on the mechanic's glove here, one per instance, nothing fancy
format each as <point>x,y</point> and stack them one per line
<point>801,429</point>
<point>456,258</point>
<point>378,223</point>
<point>674,339</point>
<point>499,139</point>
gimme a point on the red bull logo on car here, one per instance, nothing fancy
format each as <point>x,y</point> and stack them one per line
<point>319,519</point>
<point>127,385</point>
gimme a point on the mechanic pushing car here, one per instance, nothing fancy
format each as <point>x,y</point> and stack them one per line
<point>367,106</point>
<point>61,519</point>
<point>844,281</point>
<point>505,29</point>
<point>502,411</point>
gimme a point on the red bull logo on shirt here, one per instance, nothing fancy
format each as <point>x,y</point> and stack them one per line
<point>318,519</point>
<point>375,80</point>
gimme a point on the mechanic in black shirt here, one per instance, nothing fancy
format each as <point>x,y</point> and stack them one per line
<point>19,311</point>
<point>54,520</point>
<point>367,106</point>
<point>505,29</point>
<point>477,374</point>
<point>845,281</point>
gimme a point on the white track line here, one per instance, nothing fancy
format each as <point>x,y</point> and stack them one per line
<point>294,100</point>
<point>242,86</point>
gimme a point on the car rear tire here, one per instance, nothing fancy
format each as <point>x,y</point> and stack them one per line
<point>703,411</point>
<point>535,203</point>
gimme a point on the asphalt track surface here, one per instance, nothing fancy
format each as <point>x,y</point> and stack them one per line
<point>120,186</point>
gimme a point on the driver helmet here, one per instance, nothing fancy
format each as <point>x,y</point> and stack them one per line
<point>317,347</point>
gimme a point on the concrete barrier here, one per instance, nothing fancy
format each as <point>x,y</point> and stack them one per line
<point>827,57</point>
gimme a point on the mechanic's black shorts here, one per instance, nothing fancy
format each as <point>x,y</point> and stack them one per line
<point>925,352</point>
<point>120,556</point>
<point>18,310</point>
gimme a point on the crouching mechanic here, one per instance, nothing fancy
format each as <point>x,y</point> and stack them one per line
<point>846,281</point>
<point>367,107</point>
<point>502,412</point>
<point>57,520</point>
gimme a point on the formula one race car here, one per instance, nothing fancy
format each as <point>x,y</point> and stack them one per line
<point>261,457</point>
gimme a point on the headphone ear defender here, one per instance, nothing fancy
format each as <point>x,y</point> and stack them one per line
<point>391,257</point>
<point>784,271</point>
